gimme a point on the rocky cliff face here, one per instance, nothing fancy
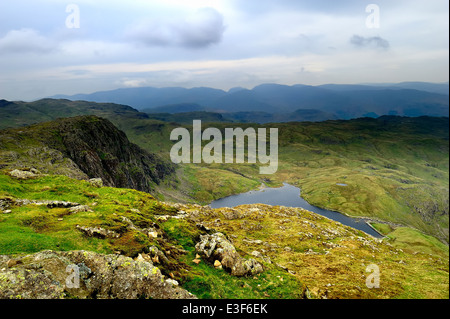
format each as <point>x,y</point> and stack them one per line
<point>88,146</point>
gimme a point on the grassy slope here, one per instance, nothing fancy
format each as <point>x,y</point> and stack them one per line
<point>391,165</point>
<point>335,269</point>
<point>396,169</point>
<point>33,228</point>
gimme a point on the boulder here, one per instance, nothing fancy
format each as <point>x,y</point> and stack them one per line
<point>217,247</point>
<point>98,232</point>
<point>85,275</point>
<point>19,174</point>
<point>96,182</point>
<point>80,209</point>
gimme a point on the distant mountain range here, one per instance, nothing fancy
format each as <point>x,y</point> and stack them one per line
<point>330,101</point>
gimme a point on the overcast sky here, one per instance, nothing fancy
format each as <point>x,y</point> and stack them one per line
<point>52,47</point>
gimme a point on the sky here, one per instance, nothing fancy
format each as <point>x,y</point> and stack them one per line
<point>50,47</point>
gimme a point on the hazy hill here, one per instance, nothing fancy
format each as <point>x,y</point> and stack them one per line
<point>18,113</point>
<point>343,101</point>
<point>440,88</point>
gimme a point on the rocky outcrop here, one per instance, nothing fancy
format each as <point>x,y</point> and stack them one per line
<point>8,202</point>
<point>85,275</point>
<point>97,232</point>
<point>84,147</point>
<point>103,151</point>
<point>22,174</point>
<point>217,247</point>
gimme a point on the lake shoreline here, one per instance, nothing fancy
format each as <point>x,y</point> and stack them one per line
<point>295,200</point>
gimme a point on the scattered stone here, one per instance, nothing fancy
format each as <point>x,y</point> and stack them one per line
<point>311,252</point>
<point>172,282</point>
<point>96,182</point>
<point>56,204</point>
<point>330,245</point>
<point>157,255</point>
<point>257,254</point>
<point>217,264</point>
<point>203,227</point>
<point>80,209</point>
<point>218,247</point>
<point>98,232</point>
<point>196,261</point>
<point>19,174</point>
<point>232,214</point>
<point>152,234</point>
<point>281,266</point>
<point>249,241</point>
<point>8,211</point>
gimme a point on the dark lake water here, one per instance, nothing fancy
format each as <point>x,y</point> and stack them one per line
<point>289,196</point>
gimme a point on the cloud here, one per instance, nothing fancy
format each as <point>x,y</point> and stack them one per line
<point>199,30</point>
<point>25,41</point>
<point>370,42</point>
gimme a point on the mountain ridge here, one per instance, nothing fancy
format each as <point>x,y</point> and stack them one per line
<point>344,101</point>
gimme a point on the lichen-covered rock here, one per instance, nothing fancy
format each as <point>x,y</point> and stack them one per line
<point>98,232</point>
<point>19,174</point>
<point>80,209</point>
<point>28,284</point>
<point>217,247</point>
<point>96,182</point>
<point>83,274</point>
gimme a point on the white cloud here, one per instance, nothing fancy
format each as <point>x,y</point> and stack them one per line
<point>201,29</point>
<point>219,43</point>
<point>26,41</point>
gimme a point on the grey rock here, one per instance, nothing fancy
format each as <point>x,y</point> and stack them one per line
<point>218,247</point>
<point>19,174</point>
<point>45,275</point>
<point>96,182</point>
<point>80,209</point>
<point>98,232</point>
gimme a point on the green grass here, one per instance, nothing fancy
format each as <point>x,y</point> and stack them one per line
<point>415,241</point>
<point>411,273</point>
<point>32,228</point>
<point>396,170</point>
<point>208,282</point>
<point>383,229</point>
